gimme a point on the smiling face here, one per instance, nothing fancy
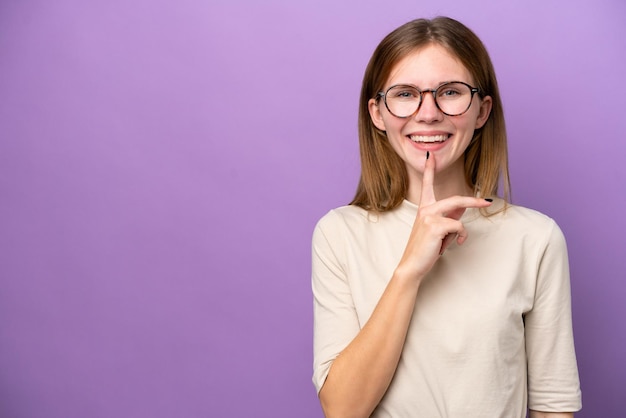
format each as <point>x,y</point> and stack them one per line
<point>447,137</point>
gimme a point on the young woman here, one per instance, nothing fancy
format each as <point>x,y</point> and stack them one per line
<point>434,297</point>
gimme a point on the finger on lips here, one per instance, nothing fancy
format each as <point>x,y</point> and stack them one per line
<point>428,192</point>
<point>427,196</point>
<point>451,208</point>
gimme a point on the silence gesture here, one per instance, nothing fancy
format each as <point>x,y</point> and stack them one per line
<point>437,224</point>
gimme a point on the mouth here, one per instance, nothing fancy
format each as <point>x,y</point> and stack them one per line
<point>428,139</point>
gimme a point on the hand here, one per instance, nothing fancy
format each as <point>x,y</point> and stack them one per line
<point>437,224</point>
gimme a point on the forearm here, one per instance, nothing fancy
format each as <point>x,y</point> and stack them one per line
<point>363,371</point>
<point>538,414</point>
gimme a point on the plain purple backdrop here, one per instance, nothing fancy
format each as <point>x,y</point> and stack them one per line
<point>163,163</point>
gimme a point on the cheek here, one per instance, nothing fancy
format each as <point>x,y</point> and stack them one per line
<point>470,123</point>
<point>398,143</point>
<point>394,124</point>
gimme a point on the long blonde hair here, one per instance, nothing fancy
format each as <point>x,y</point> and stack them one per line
<point>383,184</point>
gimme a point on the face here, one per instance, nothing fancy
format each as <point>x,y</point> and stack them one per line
<point>429,129</point>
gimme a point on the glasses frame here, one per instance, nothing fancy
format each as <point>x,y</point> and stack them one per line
<point>383,95</point>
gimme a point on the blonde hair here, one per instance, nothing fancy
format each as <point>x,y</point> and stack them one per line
<point>384,183</point>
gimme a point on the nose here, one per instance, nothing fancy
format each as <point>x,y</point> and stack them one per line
<point>428,110</point>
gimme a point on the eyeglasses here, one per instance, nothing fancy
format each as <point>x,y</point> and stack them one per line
<point>453,98</point>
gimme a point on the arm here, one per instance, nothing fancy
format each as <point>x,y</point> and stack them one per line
<point>553,382</point>
<point>360,375</point>
<point>537,414</point>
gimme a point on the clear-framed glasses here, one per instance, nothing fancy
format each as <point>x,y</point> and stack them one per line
<point>453,98</point>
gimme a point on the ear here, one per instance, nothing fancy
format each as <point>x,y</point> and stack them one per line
<point>484,111</point>
<point>377,118</point>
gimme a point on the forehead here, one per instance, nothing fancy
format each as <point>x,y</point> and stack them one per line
<point>428,67</point>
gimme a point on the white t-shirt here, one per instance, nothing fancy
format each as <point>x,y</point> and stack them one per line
<point>491,333</point>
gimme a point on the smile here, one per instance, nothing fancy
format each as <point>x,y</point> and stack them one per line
<point>428,139</point>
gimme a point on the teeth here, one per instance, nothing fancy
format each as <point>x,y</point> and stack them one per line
<point>434,138</point>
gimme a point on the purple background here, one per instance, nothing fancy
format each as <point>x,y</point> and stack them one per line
<point>163,163</point>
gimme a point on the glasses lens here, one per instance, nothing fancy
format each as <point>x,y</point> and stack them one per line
<point>402,101</point>
<point>454,98</point>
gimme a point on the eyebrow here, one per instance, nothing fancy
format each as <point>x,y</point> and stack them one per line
<point>438,85</point>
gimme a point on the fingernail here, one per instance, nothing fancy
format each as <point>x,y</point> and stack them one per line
<point>427,154</point>
<point>488,199</point>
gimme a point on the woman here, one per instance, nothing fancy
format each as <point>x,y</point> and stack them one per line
<point>433,296</point>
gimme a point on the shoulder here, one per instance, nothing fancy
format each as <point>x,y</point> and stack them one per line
<point>515,216</point>
<point>342,216</point>
<point>334,231</point>
<point>347,225</point>
<point>530,224</point>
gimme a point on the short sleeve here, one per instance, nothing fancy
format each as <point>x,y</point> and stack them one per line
<point>335,318</point>
<point>553,382</point>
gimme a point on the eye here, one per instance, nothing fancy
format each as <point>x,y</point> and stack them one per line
<point>449,92</point>
<point>403,93</point>
<point>453,91</point>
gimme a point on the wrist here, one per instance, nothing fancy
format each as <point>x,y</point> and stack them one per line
<point>406,278</point>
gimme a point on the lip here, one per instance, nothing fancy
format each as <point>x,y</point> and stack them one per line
<point>433,140</point>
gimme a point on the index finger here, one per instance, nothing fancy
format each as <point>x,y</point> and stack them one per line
<point>427,196</point>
